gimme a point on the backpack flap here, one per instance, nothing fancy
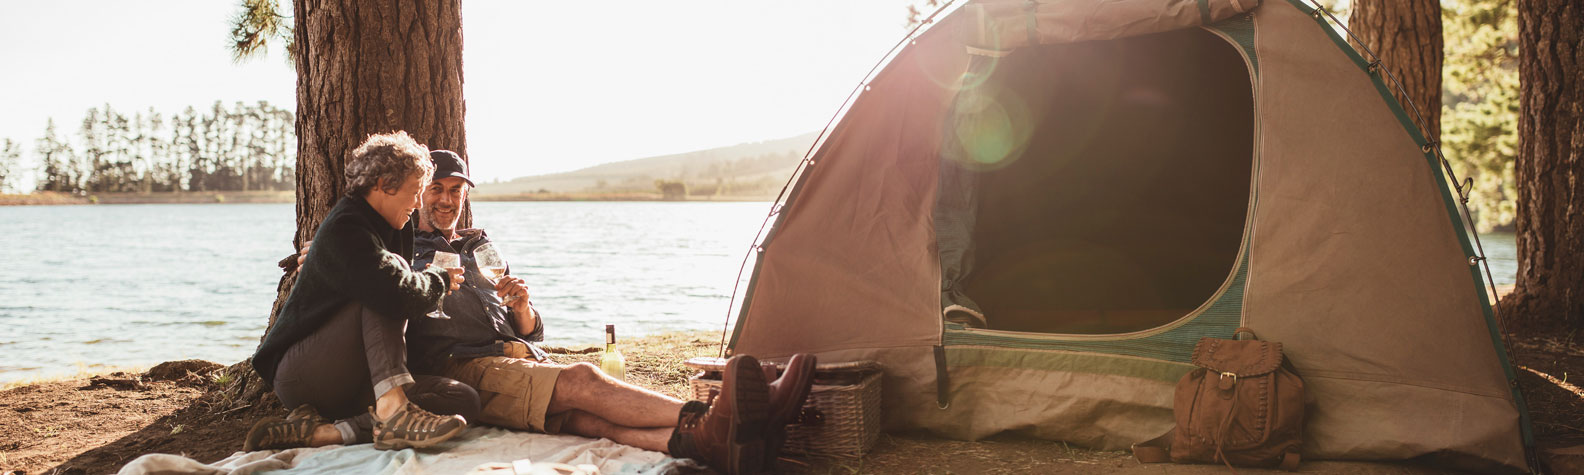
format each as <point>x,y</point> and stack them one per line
<point>1237,359</point>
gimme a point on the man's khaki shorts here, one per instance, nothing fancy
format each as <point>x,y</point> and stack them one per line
<point>515,392</point>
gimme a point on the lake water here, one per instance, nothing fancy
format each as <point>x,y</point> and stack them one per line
<point>135,285</point>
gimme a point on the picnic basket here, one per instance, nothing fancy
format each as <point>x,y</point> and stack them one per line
<point>841,417</point>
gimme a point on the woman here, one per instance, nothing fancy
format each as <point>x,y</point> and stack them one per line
<point>338,345</point>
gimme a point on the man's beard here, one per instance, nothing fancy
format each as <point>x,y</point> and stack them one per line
<point>430,214</point>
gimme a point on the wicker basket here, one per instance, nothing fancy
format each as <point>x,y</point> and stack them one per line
<point>845,420</point>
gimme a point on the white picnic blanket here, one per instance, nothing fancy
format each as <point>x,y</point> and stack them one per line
<point>480,450</point>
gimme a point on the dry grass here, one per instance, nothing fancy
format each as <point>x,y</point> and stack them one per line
<point>654,361</point>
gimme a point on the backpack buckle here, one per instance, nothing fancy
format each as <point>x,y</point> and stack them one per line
<point>1228,380</point>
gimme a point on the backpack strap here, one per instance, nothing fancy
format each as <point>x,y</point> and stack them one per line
<point>1156,450</point>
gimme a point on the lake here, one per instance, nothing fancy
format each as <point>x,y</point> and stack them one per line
<point>135,285</point>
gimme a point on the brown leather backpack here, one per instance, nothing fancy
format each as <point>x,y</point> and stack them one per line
<point>1243,407</point>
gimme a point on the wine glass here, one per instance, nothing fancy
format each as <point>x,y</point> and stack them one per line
<point>492,265</point>
<point>445,260</point>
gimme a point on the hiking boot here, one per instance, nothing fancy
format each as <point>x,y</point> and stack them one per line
<point>728,435</point>
<point>274,433</point>
<point>411,426</point>
<point>787,394</point>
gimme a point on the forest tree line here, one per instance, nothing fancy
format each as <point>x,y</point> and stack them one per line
<point>242,148</point>
<point>1479,104</point>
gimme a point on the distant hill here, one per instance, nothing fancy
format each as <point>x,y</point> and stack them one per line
<point>757,169</point>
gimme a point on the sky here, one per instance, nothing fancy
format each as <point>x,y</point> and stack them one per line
<point>550,86</point>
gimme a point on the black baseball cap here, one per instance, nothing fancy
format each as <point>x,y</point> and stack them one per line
<point>448,164</point>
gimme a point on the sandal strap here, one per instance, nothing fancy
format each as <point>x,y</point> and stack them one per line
<point>271,434</point>
<point>307,412</point>
<point>411,422</point>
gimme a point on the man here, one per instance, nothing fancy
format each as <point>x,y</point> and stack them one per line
<point>337,347</point>
<point>488,345</point>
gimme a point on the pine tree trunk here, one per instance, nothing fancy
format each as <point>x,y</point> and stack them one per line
<point>363,67</point>
<point>366,67</point>
<point>1406,36</point>
<point>1550,168</point>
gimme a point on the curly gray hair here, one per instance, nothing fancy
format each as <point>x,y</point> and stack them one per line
<point>392,157</point>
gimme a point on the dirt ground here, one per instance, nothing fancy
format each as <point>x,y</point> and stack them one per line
<point>97,424</point>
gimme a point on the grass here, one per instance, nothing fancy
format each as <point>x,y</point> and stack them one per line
<point>47,431</point>
<point>654,361</point>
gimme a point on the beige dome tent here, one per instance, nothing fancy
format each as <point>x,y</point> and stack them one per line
<point>1033,211</point>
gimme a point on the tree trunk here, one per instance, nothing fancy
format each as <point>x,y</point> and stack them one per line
<point>1406,36</point>
<point>363,67</point>
<point>1550,167</point>
<point>366,67</point>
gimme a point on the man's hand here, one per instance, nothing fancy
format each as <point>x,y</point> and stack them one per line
<point>513,293</point>
<point>303,254</point>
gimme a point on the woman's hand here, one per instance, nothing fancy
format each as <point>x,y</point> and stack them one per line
<point>456,276</point>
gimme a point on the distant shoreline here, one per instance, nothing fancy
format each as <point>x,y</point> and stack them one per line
<point>50,198</point>
<point>45,198</point>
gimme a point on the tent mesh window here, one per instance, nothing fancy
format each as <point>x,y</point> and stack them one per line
<point>1098,187</point>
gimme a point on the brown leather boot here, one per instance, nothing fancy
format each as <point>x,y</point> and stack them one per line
<point>787,394</point>
<point>729,435</point>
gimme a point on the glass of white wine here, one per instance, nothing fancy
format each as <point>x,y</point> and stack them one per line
<point>492,265</point>
<point>444,260</point>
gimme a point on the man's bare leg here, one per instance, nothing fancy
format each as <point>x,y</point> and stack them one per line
<point>584,387</point>
<point>589,425</point>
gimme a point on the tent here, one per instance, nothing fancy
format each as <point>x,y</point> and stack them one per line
<point>1033,210</point>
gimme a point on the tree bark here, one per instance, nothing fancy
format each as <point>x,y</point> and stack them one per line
<point>1550,168</point>
<point>1406,36</point>
<point>366,67</point>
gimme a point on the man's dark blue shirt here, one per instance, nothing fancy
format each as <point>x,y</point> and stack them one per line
<point>479,324</point>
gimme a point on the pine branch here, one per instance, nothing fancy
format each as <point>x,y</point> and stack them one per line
<point>257,25</point>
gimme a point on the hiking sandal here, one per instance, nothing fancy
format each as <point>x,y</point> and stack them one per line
<point>308,412</point>
<point>274,433</point>
<point>411,426</point>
